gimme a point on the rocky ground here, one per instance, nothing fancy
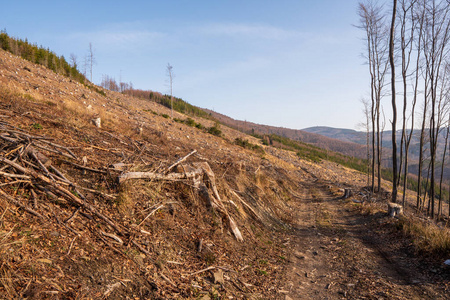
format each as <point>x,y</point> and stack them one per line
<point>89,236</point>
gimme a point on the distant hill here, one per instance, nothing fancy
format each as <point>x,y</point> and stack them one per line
<point>346,135</point>
<point>359,137</point>
<point>346,147</point>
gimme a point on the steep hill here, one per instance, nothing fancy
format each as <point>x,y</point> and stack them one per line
<point>145,207</point>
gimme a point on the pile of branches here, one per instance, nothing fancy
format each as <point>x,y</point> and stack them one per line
<point>23,162</point>
<point>204,182</point>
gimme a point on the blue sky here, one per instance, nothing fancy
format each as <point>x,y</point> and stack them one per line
<point>290,63</point>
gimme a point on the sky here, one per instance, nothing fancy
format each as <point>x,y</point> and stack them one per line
<point>288,63</point>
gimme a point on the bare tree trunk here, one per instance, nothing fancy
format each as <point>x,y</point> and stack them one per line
<point>170,74</point>
<point>91,58</point>
<point>406,45</point>
<point>437,37</point>
<point>416,85</point>
<point>372,22</point>
<point>394,105</point>
<point>442,169</point>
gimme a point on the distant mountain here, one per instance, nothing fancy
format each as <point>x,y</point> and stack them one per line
<point>346,135</point>
<point>359,137</point>
<point>346,147</point>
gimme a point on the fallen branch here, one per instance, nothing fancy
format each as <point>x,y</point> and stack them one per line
<point>180,161</point>
<point>17,203</point>
<point>111,288</point>
<point>85,168</point>
<point>112,236</point>
<point>195,172</point>
<point>168,280</point>
<point>151,213</point>
<point>74,199</point>
<point>203,270</point>
<point>246,205</point>
<point>15,175</point>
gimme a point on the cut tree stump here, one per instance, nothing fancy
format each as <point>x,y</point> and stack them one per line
<point>394,210</point>
<point>347,193</point>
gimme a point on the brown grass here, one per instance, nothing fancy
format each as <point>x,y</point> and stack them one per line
<point>427,237</point>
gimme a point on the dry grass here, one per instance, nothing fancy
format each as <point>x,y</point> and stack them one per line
<point>427,237</point>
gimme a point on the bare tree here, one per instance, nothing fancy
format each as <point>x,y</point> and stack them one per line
<point>366,126</point>
<point>170,76</point>
<point>415,30</point>
<point>91,59</point>
<point>436,37</point>
<point>394,105</point>
<point>372,21</point>
<point>73,60</point>
<point>406,39</point>
<point>439,213</point>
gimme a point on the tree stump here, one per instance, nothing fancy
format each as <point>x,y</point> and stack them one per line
<point>394,210</point>
<point>347,193</point>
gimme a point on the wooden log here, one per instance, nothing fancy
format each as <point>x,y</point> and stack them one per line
<point>157,176</point>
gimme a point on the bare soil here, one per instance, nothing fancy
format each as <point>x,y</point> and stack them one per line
<point>343,251</point>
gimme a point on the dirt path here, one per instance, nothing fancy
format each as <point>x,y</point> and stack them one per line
<point>338,254</point>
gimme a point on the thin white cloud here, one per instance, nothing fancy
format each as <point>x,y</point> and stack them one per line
<point>248,31</point>
<point>108,38</point>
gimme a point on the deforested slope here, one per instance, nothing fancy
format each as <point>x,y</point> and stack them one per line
<point>103,196</point>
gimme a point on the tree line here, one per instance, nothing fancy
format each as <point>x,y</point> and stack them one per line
<point>40,55</point>
<point>412,37</point>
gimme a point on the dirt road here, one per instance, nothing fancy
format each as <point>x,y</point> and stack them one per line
<point>340,253</point>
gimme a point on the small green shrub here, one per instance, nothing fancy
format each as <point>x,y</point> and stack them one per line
<point>215,130</point>
<point>190,122</point>
<point>36,126</point>
<point>246,144</point>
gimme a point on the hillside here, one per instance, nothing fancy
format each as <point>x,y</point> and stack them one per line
<point>322,141</point>
<point>346,135</point>
<point>359,137</point>
<point>145,207</point>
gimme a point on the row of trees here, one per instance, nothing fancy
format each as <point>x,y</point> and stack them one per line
<point>111,84</point>
<point>415,41</point>
<point>40,55</point>
<point>43,56</point>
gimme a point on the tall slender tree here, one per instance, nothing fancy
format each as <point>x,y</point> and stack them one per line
<point>394,105</point>
<point>170,76</point>
<point>91,59</point>
<point>372,21</point>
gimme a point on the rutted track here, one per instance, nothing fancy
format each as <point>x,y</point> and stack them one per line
<point>336,255</point>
